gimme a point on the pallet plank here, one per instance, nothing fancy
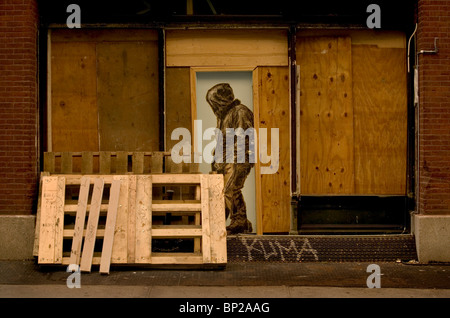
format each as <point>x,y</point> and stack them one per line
<point>110,227</point>
<point>218,233</point>
<point>80,219</point>
<point>52,213</point>
<point>66,162</point>
<point>143,219</point>
<point>181,207</point>
<point>49,162</point>
<point>131,244</point>
<point>89,241</point>
<point>206,242</point>
<point>119,250</point>
<point>38,216</point>
<point>121,162</point>
<point>138,162</point>
<point>176,231</point>
<point>176,179</point>
<point>87,162</point>
<point>105,162</point>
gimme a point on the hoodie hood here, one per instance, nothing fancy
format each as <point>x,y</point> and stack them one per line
<point>221,99</point>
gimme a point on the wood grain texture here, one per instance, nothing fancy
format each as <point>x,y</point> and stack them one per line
<point>380,110</point>
<point>74,111</point>
<point>326,115</point>
<point>143,219</point>
<point>273,87</point>
<point>226,47</point>
<point>128,96</point>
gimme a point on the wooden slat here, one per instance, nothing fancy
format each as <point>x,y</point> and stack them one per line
<point>218,233</point>
<point>80,219</point>
<point>121,162</point>
<point>52,214</point>
<point>110,227</point>
<point>119,251</point>
<point>38,215</point>
<point>105,162</point>
<point>170,207</point>
<point>157,162</point>
<point>68,233</point>
<point>206,232</point>
<point>197,220</point>
<point>66,162</point>
<point>176,258</point>
<point>143,219</point>
<point>131,244</point>
<point>138,162</point>
<point>172,167</point>
<point>91,230</point>
<point>218,47</point>
<point>87,163</point>
<point>176,179</point>
<point>49,162</point>
<point>176,231</point>
<point>68,208</point>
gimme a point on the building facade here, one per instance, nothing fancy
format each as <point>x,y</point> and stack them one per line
<point>358,96</point>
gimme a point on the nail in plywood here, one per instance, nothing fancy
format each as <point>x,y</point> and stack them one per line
<point>51,220</point>
<point>91,230</point>
<point>80,221</point>
<point>110,227</point>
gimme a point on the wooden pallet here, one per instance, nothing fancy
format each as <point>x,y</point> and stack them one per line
<point>126,229</point>
<point>120,162</point>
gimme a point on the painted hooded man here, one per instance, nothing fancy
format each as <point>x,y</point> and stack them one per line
<point>231,113</point>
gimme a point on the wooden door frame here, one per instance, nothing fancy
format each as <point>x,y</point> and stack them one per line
<point>254,70</point>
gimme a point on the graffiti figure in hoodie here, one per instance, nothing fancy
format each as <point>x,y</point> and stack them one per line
<point>232,114</point>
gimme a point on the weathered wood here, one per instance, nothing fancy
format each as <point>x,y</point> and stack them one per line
<point>66,162</point>
<point>121,162</point>
<point>52,214</point>
<point>91,229</point>
<point>38,215</point>
<point>218,47</point>
<point>119,251</point>
<point>218,233</point>
<point>80,219</point>
<point>49,162</point>
<point>380,108</point>
<point>176,231</point>
<point>138,162</point>
<point>110,227</point>
<point>105,162</point>
<point>171,207</point>
<point>131,237</point>
<point>206,232</point>
<point>87,164</point>
<point>176,179</point>
<point>157,162</point>
<point>143,233</point>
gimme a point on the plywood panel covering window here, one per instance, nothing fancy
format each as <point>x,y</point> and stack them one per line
<point>353,115</point>
<point>104,90</point>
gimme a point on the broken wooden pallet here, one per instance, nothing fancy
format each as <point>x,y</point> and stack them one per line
<point>108,162</point>
<point>128,228</point>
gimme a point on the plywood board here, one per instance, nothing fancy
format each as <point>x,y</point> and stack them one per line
<point>128,96</point>
<point>273,88</point>
<point>326,115</point>
<point>380,110</point>
<point>178,102</point>
<point>226,47</point>
<point>74,112</point>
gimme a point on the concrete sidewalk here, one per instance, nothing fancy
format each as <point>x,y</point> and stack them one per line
<point>22,279</point>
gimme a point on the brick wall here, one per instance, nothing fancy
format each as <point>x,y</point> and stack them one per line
<point>434,86</point>
<point>18,105</point>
